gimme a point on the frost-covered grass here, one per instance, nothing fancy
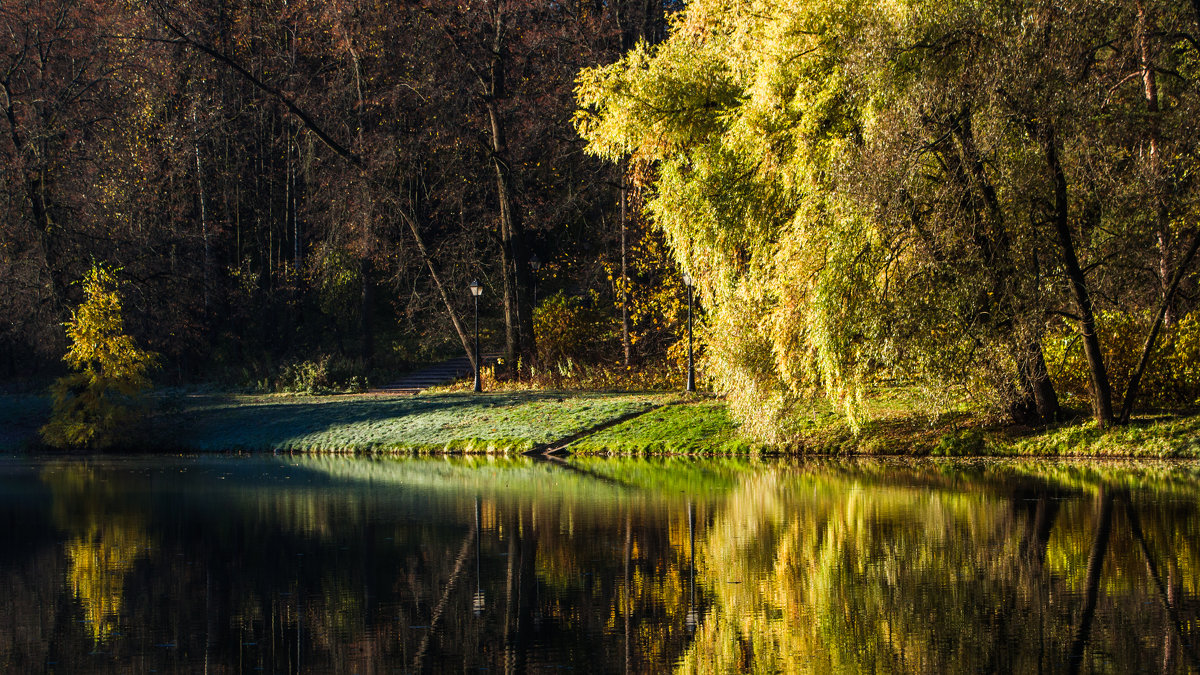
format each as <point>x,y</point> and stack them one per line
<point>499,422</point>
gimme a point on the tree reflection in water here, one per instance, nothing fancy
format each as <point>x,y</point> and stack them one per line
<point>1004,569</point>
<point>104,544</point>
<point>613,565</point>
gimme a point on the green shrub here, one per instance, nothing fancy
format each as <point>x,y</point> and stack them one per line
<point>965,443</point>
<point>104,397</point>
<point>567,330</point>
<point>322,375</point>
<point>1171,380</point>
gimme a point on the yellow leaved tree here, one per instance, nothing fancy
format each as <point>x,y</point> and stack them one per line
<point>93,405</point>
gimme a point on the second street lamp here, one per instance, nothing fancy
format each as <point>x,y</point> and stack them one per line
<point>691,375</point>
<point>476,291</point>
<point>535,263</point>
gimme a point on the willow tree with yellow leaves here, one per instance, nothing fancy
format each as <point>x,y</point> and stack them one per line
<point>93,405</point>
<point>918,191</point>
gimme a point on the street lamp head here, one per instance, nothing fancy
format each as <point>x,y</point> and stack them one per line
<point>476,288</point>
<point>535,262</point>
<point>687,280</point>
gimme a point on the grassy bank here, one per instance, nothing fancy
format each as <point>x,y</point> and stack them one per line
<point>896,427</point>
<point>507,422</point>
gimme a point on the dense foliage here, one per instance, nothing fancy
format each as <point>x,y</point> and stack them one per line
<point>927,191</point>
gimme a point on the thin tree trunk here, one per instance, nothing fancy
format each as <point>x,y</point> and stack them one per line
<point>35,191</point>
<point>366,314</point>
<point>512,337</point>
<point>1131,390</point>
<point>1101,390</point>
<point>203,207</point>
<point>625,345</point>
<point>1162,223</point>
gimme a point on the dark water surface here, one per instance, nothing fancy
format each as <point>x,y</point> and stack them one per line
<point>229,564</point>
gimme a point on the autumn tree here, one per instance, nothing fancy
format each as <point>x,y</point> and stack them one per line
<point>863,189</point>
<point>96,404</point>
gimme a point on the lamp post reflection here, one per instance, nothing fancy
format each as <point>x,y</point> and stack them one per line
<point>693,617</point>
<point>477,601</point>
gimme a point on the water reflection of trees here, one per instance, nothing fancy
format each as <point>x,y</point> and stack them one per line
<point>922,572</point>
<point>339,576</point>
<point>820,567</point>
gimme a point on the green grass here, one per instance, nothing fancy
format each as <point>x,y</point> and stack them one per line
<point>686,428</point>
<point>1169,437</point>
<point>499,422</point>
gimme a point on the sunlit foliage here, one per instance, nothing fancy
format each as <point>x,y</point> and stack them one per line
<point>93,405</point>
<point>902,190</point>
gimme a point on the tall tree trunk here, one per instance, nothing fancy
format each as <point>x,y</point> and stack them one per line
<point>202,207</point>
<point>1154,136</point>
<point>508,258</point>
<point>1037,390</point>
<point>1101,390</point>
<point>1031,366</point>
<point>518,312</point>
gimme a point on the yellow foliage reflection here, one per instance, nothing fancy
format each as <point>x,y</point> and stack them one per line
<point>103,544</point>
<point>99,562</point>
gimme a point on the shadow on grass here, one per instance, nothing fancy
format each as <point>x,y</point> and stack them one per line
<point>359,422</point>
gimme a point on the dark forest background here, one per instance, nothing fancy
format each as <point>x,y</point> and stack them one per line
<point>316,182</point>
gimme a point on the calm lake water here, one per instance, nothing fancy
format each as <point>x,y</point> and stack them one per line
<point>231,564</point>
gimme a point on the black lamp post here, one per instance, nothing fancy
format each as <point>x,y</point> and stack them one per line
<point>476,291</point>
<point>691,376</point>
<point>535,263</point>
